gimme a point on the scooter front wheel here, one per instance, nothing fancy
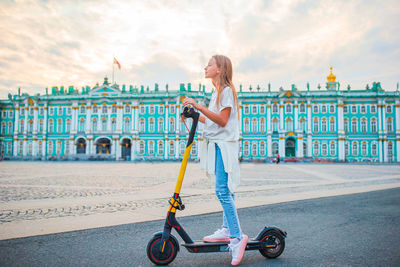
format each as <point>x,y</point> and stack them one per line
<point>155,253</point>
<point>274,244</point>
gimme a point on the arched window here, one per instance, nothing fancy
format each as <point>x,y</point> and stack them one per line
<point>104,125</point>
<point>364,147</point>
<point>81,125</point>
<point>172,125</point>
<point>333,148</point>
<point>151,147</point>
<point>113,125</point>
<point>302,108</point>
<point>316,148</point>
<point>182,148</point>
<point>303,124</point>
<point>315,126</point>
<point>323,125</point>
<point>141,147</point>
<point>254,149</point>
<point>275,125</point>
<point>274,108</point>
<point>288,108</point>
<point>304,149</point>
<point>246,125</point>
<point>104,109</point>
<point>262,125</point>
<point>254,125</point>
<point>141,125</point>
<point>194,149</point>
<point>324,149</point>
<point>127,109</point>
<point>389,125</point>
<point>127,125</point>
<point>346,149</point>
<point>332,124</point>
<point>354,125</point>
<point>171,148</point>
<point>390,149</point>
<point>262,148</point>
<point>30,126</point>
<point>58,147</point>
<point>346,125</point>
<point>373,125</point>
<point>10,128</point>
<point>289,124</point>
<point>275,148</point>
<point>114,109</point>
<point>161,125</point>
<point>160,147</point>
<point>373,149</point>
<point>246,148</point>
<point>59,126</point>
<point>355,148</point>
<point>51,126</point>
<point>67,147</point>
<point>67,126</point>
<point>363,125</point>
<point>50,148</point>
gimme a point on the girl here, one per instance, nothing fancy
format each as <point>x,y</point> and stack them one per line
<point>219,154</point>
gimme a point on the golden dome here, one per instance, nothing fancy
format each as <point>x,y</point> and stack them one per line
<point>331,77</point>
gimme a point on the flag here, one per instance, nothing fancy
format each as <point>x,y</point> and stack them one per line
<point>116,62</point>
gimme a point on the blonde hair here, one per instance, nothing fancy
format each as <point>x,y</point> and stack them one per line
<point>224,65</point>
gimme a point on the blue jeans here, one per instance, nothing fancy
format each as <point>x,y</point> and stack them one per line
<point>226,198</point>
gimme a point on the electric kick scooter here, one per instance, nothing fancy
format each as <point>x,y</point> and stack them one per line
<point>163,247</point>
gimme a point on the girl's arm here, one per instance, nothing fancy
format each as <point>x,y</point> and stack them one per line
<point>219,118</point>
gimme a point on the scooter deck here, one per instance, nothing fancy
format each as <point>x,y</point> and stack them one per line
<point>203,247</point>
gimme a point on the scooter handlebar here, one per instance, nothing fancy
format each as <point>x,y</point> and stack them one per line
<point>189,112</point>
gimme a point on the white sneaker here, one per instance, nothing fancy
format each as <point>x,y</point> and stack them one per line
<point>221,235</point>
<point>238,249</point>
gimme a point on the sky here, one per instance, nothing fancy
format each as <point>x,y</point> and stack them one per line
<point>283,42</point>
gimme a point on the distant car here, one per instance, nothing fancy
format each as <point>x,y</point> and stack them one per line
<point>291,159</point>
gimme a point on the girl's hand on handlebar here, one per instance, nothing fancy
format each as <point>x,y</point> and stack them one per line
<point>190,101</point>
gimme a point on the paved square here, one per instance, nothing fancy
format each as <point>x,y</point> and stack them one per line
<point>48,197</point>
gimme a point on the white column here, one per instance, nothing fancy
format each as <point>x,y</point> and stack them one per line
<point>282,145</point>
<point>109,119</point>
<point>299,150</point>
<point>133,122</point>
<point>74,120</point>
<point>119,118</point>
<point>118,148</point>
<point>133,149</point>
<point>281,118</point>
<point>269,117</point>
<point>113,147</point>
<point>44,143</point>
<point>177,128</point>
<point>397,130</point>
<point>16,127</point>
<point>296,116</point>
<point>137,118</point>
<point>341,134</point>
<point>25,150</point>
<point>269,146</point>
<point>35,127</point>
<point>240,117</point>
<point>309,118</point>
<point>88,119</point>
<point>166,110</point>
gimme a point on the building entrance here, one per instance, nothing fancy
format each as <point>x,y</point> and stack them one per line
<point>290,147</point>
<point>103,146</point>
<point>81,146</point>
<point>126,148</point>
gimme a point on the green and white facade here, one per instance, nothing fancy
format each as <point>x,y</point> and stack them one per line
<point>106,122</point>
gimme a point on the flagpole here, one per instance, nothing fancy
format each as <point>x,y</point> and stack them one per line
<point>113,73</point>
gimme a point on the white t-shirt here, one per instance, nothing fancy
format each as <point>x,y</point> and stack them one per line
<point>230,132</point>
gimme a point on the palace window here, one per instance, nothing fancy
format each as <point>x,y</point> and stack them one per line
<point>389,125</point>
<point>324,149</point>
<point>161,109</point>
<point>171,148</point>
<point>182,148</point>
<point>40,148</point>
<point>30,126</point>
<point>254,109</point>
<point>114,109</point>
<point>4,114</point>
<point>161,125</point>
<point>315,108</point>
<point>69,110</point>
<point>9,149</point>
<point>363,109</point>
<point>355,148</point>
<point>323,108</point>
<point>10,128</point>
<point>275,125</point>
<point>95,109</point>
<point>246,125</point>
<point>246,149</point>
<point>59,126</point>
<point>160,147</point>
<point>345,109</point>
<point>354,125</point>
<point>363,125</point>
<point>50,148</point>
<point>275,108</point>
<point>346,125</point>
<point>389,108</point>
<point>262,109</point>
<point>82,109</point>
<point>94,125</point>
<point>104,125</point>
<point>304,149</point>
<point>315,128</point>
<point>332,124</point>
<point>331,108</point>
<point>58,147</point>
<point>194,149</point>
<point>21,126</point>
<point>346,149</point>
<point>254,125</point>
<point>390,149</point>
<point>275,148</point>
<point>10,114</point>
<point>151,125</point>
<point>30,111</point>
<point>316,148</point>
<point>151,109</point>
<point>172,125</point>
<point>289,124</point>
<point>262,148</point>
<point>373,125</point>
<point>246,109</point>
<point>303,124</point>
<point>141,147</point>
<point>60,111</point>
<point>172,109</point>
<point>373,108</point>
<point>127,125</point>
<point>51,126</point>
<point>333,148</point>
<point>20,148</point>
<point>104,109</point>
<point>29,149</point>
<point>364,148</point>
<point>51,111</point>
<point>66,148</point>
<point>353,109</point>
<point>113,125</point>
<point>68,126</point>
<point>254,149</point>
<point>40,126</point>
<point>151,147</point>
<point>262,125</point>
<point>302,108</point>
<point>288,108</point>
<point>323,125</point>
<point>3,128</point>
<point>127,109</point>
<point>81,125</point>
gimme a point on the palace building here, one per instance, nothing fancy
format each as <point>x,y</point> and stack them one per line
<point>109,122</point>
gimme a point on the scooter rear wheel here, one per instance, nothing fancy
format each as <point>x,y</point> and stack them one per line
<point>154,248</point>
<point>274,244</point>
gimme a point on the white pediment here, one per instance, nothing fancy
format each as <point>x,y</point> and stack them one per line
<point>104,91</point>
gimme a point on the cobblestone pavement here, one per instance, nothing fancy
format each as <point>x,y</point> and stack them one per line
<point>32,192</point>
